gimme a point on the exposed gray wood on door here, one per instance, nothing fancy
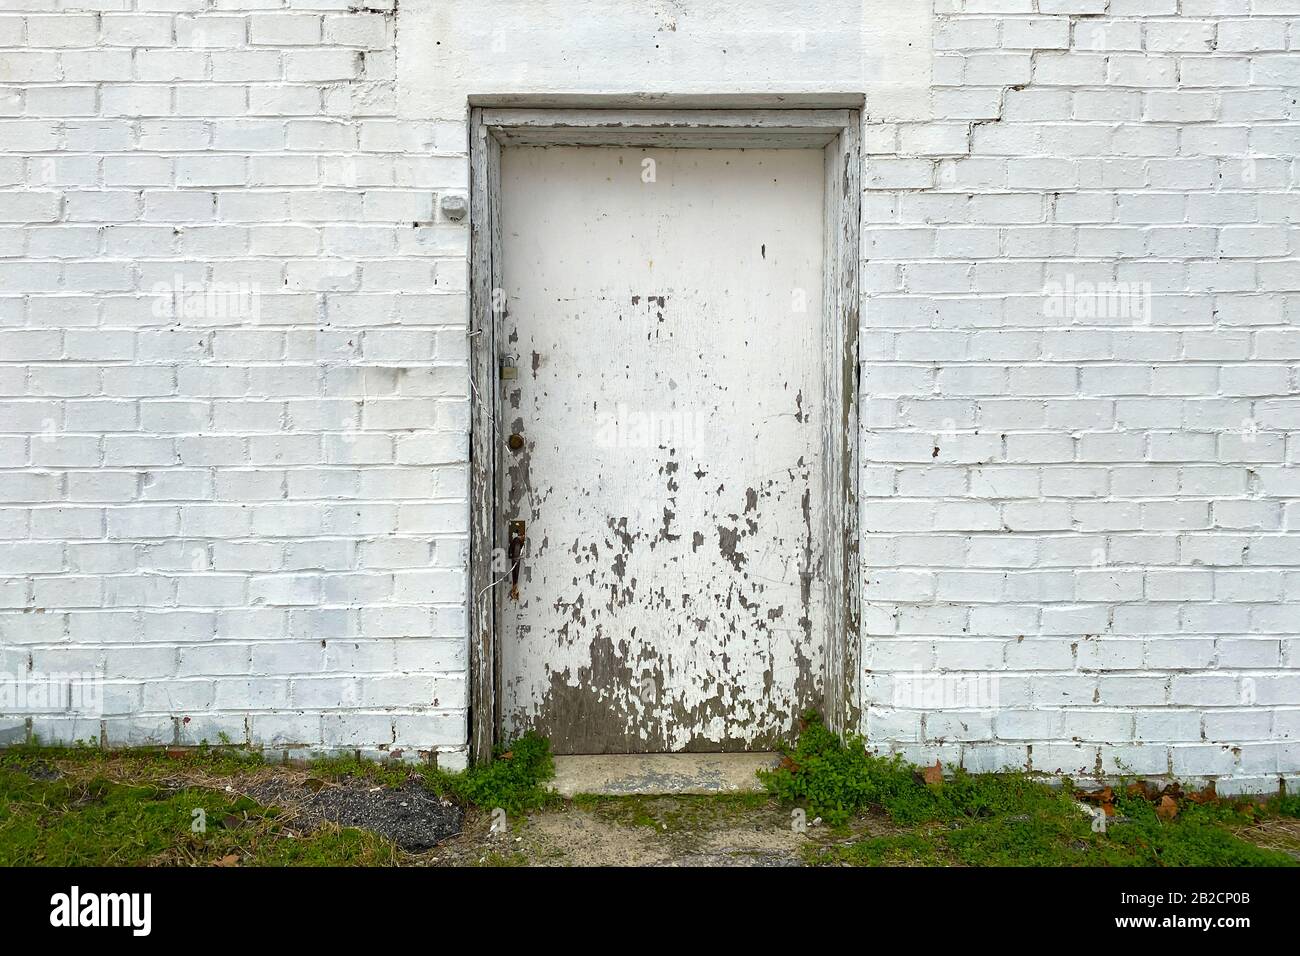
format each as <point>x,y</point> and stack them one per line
<point>484,437</point>
<point>840,457</point>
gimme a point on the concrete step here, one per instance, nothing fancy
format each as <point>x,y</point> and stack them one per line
<point>625,774</point>
<point>12,732</point>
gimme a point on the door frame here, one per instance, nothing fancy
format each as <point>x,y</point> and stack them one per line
<point>838,133</point>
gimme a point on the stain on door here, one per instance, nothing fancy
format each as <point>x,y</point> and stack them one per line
<point>661,438</point>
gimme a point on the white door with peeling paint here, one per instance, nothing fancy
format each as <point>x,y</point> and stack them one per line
<point>664,315</point>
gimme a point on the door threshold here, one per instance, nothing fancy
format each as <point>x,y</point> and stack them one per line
<point>616,775</point>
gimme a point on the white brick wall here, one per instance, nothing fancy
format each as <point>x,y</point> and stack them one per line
<point>249,508</point>
<point>248,511</point>
<point>1094,505</point>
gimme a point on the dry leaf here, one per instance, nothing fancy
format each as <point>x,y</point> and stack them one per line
<point>1208,795</point>
<point>788,764</point>
<point>228,860</point>
<point>1167,808</point>
<point>933,774</point>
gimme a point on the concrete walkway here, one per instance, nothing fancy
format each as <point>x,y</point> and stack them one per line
<point>625,774</point>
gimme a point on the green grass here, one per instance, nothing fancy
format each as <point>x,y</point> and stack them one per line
<point>903,849</point>
<point>514,781</point>
<point>142,763</point>
<point>680,813</point>
<point>1055,839</point>
<point>135,807</point>
<point>95,822</point>
<point>1001,819</point>
<point>1286,805</point>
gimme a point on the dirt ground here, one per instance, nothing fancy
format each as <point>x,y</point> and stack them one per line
<point>645,831</point>
<point>737,830</point>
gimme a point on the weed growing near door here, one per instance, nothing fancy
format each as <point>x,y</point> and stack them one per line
<point>836,780</point>
<point>1008,819</point>
<point>513,781</point>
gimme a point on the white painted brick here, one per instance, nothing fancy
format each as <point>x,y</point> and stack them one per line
<point>1193,36</point>
<point>284,29</point>
<point>1203,759</point>
<point>1093,474</point>
<point>130,30</point>
<point>95,65</point>
<point>287,729</point>
<point>439,729</point>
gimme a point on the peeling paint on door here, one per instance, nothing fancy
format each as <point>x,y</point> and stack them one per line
<point>665,315</point>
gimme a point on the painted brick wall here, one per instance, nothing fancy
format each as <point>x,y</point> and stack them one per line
<point>234,377</point>
<point>233,385</point>
<point>1081,428</point>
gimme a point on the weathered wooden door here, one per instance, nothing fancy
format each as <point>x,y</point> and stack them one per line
<point>662,436</point>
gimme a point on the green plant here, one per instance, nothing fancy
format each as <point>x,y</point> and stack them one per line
<point>1003,819</point>
<point>833,778</point>
<point>1286,805</point>
<point>390,774</point>
<point>513,781</point>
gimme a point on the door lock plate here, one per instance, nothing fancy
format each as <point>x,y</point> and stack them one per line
<point>516,553</point>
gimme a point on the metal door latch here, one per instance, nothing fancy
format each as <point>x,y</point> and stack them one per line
<point>516,553</point>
